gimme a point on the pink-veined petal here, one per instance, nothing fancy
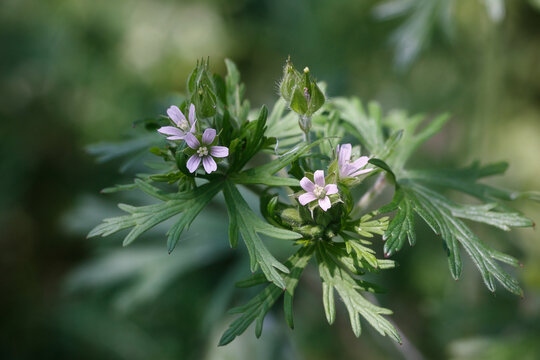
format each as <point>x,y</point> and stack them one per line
<point>342,172</point>
<point>175,138</point>
<point>346,171</point>
<point>325,203</point>
<point>219,151</point>
<point>176,115</point>
<point>192,119</point>
<point>360,162</point>
<point>209,164</point>
<point>193,126</point>
<point>360,172</point>
<point>208,136</point>
<point>307,185</point>
<point>192,141</point>
<point>171,130</point>
<point>306,198</point>
<point>318,176</point>
<point>344,154</point>
<point>331,189</point>
<point>193,163</point>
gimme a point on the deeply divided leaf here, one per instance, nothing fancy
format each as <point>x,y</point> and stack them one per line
<point>249,225</point>
<point>257,308</point>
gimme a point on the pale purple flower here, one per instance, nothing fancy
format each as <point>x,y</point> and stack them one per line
<point>204,152</point>
<point>348,168</point>
<point>318,191</point>
<point>183,126</point>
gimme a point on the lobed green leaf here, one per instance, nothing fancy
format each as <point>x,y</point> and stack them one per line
<point>257,308</point>
<point>187,204</point>
<point>244,221</point>
<point>335,278</point>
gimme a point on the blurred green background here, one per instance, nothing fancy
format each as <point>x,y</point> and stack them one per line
<point>78,72</point>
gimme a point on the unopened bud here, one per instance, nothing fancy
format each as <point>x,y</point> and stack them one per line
<point>300,91</point>
<point>290,79</point>
<point>201,89</point>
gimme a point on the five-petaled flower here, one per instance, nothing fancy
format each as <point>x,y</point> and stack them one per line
<point>317,191</point>
<point>348,168</point>
<point>183,127</point>
<point>205,151</point>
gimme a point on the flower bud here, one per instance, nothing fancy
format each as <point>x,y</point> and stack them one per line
<point>301,91</point>
<point>201,90</point>
<point>291,78</point>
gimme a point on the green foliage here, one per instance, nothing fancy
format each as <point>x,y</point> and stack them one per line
<point>187,204</point>
<point>402,225</point>
<point>248,142</point>
<point>133,149</point>
<point>465,180</point>
<point>340,234</point>
<point>441,214</point>
<point>93,74</point>
<point>244,221</point>
<point>257,308</point>
<point>423,19</point>
<point>334,277</point>
<point>366,127</point>
<point>283,125</point>
<point>238,107</point>
<point>367,226</point>
<point>263,174</point>
<point>412,137</point>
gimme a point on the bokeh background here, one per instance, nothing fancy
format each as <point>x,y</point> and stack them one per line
<point>74,73</point>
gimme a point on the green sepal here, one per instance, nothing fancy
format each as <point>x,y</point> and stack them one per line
<point>201,89</point>
<point>291,77</point>
<point>299,102</point>
<point>316,100</point>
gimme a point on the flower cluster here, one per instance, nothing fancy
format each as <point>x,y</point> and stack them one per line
<point>318,190</point>
<point>326,218</point>
<point>205,149</point>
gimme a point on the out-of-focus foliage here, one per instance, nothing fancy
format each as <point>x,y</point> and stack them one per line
<point>422,19</point>
<point>77,72</point>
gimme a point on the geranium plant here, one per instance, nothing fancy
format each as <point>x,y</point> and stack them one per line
<point>325,161</point>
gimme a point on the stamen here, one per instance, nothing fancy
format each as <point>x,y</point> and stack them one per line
<point>184,126</point>
<point>319,192</point>
<point>202,151</point>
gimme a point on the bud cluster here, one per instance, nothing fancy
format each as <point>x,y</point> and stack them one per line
<point>302,94</point>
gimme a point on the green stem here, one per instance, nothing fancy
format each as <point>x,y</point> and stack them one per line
<point>373,192</point>
<point>307,137</point>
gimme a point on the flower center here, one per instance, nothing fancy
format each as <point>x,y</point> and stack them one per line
<point>202,151</point>
<point>184,126</point>
<point>319,192</point>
